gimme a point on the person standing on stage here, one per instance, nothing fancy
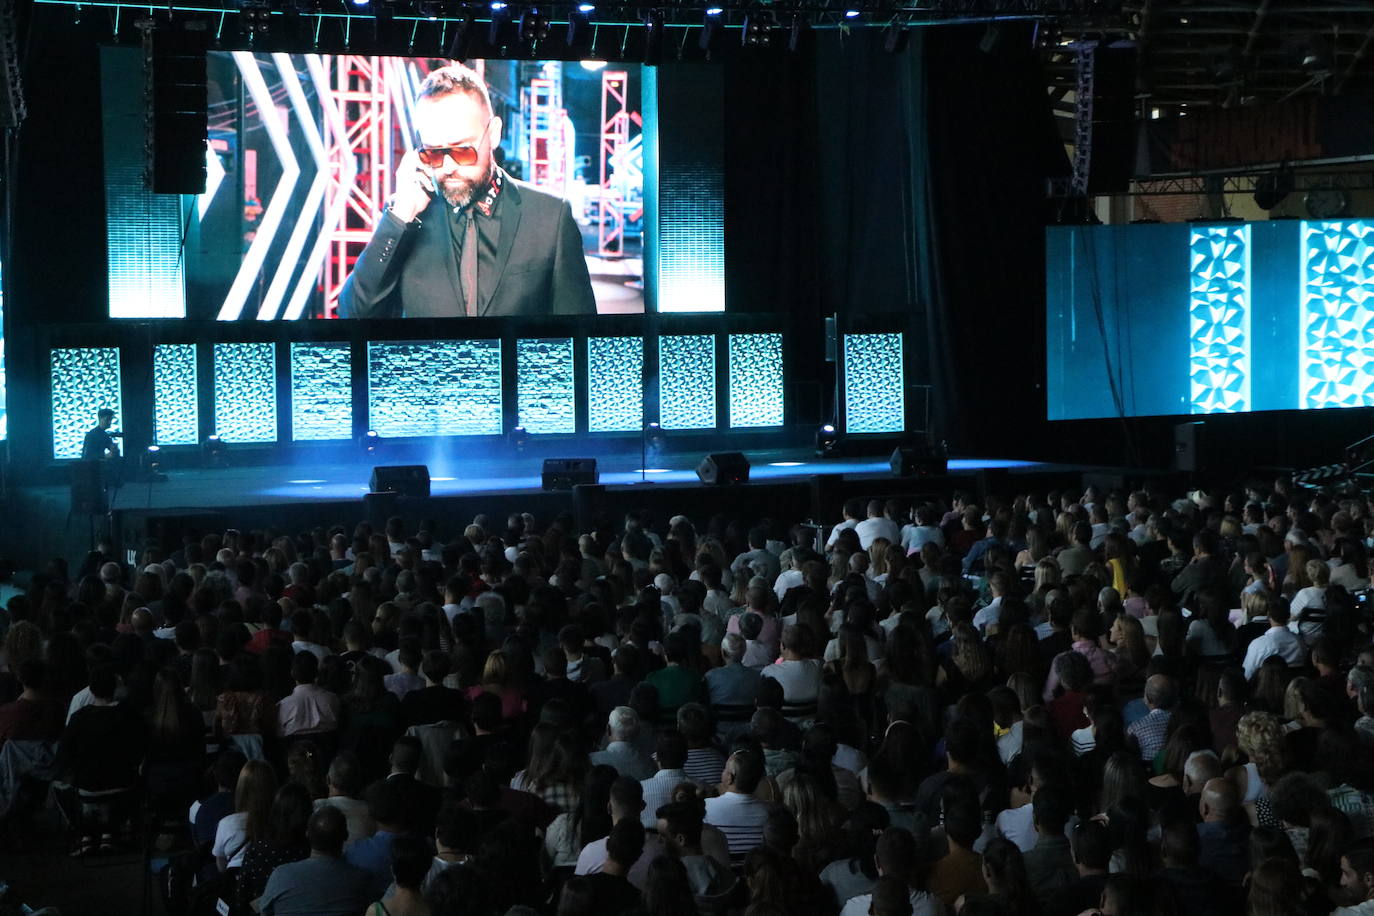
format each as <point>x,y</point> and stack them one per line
<point>460,237</point>
<point>99,442</point>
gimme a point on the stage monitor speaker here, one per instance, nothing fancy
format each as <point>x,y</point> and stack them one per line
<point>721,468</point>
<point>88,487</point>
<point>918,461</point>
<point>177,122</point>
<point>405,479</point>
<point>566,473</point>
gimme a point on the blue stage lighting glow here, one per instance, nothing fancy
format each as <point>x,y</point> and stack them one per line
<point>498,6</point>
<point>785,464</point>
<point>176,402</point>
<point>615,393</point>
<point>714,11</point>
<point>545,372</point>
<point>308,481</point>
<point>1219,319</point>
<point>434,387</point>
<point>1337,315</point>
<point>246,392</point>
<point>84,380</point>
<point>756,386</point>
<point>874,384</point>
<point>851,14</point>
<point>586,8</point>
<point>321,391</point>
<point>687,381</point>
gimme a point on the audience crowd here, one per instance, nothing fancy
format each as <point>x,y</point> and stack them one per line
<point>1075,702</point>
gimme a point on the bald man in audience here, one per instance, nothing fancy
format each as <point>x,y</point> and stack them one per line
<point>1222,832</point>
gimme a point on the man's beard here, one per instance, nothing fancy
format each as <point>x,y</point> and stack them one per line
<point>458,191</point>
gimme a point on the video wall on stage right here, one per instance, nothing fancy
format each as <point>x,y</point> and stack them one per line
<point>1201,318</point>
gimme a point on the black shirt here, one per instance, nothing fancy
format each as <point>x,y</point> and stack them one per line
<point>97,443</point>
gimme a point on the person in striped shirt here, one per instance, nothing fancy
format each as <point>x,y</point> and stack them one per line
<point>738,813</point>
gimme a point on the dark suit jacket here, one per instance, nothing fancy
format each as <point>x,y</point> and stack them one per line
<point>409,270</point>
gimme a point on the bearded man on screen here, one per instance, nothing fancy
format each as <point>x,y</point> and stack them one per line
<point>460,237</point>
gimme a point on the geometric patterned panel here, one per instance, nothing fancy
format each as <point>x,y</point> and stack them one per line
<point>434,388</point>
<point>176,407</point>
<point>874,394</point>
<point>755,380</point>
<point>615,388</point>
<point>687,381</point>
<point>545,401</point>
<point>246,392</point>
<point>1219,319</point>
<point>84,380</point>
<point>321,391</point>
<point>1337,347</point>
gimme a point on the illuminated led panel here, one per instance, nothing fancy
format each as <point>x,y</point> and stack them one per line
<point>687,381</point>
<point>246,392</point>
<point>321,392</point>
<point>544,369</point>
<point>1336,355</point>
<point>176,407</point>
<point>84,380</point>
<point>1219,319</point>
<point>434,387</point>
<point>755,380</point>
<point>615,384</point>
<point>874,394</point>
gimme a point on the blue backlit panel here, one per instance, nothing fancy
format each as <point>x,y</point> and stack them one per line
<point>84,380</point>
<point>545,401</point>
<point>246,392</point>
<point>321,392</point>
<point>755,380</point>
<point>874,393</point>
<point>434,387</point>
<point>615,384</point>
<point>1336,356</point>
<point>687,381</point>
<point>1219,319</point>
<point>176,407</point>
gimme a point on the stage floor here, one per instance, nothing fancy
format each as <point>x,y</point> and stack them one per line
<point>508,475</point>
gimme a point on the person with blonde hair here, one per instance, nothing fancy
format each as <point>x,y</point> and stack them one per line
<point>257,787</point>
<point>1260,737</point>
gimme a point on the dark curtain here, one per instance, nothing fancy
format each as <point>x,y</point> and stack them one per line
<point>911,185</point>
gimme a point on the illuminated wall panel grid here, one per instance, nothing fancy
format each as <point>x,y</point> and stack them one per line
<point>1219,319</point>
<point>615,384</point>
<point>321,392</point>
<point>176,400</point>
<point>434,387</point>
<point>687,381</point>
<point>756,397</point>
<point>874,393</point>
<point>246,392</point>
<point>1336,356</point>
<point>545,399</point>
<point>84,380</point>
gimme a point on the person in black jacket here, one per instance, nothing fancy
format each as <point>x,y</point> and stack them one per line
<point>100,752</point>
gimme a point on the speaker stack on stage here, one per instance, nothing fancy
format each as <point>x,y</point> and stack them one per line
<point>918,461</point>
<point>722,468</point>
<point>566,473</point>
<point>402,479</point>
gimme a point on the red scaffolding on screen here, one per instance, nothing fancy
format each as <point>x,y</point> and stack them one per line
<point>615,136</point>
<point>360,91</point>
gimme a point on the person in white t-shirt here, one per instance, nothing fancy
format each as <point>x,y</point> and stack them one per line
<point>878,524</point>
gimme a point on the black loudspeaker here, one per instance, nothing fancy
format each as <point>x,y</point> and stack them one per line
<point>566,473</point>
<point>721,468</point>
<point>1188,442</point>
<point>405,479</point>
<point>1114,126</point>
<point>176,118</point>
<point>918,461</point>
<point>88,488</point>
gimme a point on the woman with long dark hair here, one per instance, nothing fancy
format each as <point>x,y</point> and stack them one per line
<point>176,743</point>
<point>282,841</point>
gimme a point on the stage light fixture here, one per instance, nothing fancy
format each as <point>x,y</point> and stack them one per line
<point>586,8</point>
<point>498,21</point>
<point>519,436</point>
<point>655,440</point>
<point>758,29</point>
<point>851,14</point>
<point>579,25</point>
<point>214,450</point>
<point>150,465</point>
<point>534,26</point>
<point>369,442</point>
<point>826,440</point>
<point>710,25</point>
<point>795,30</point>
<point>653,36</point>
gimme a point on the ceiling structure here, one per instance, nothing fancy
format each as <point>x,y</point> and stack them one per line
<point>1226,53</point>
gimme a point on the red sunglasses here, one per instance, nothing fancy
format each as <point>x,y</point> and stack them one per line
<point>433,156</point>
